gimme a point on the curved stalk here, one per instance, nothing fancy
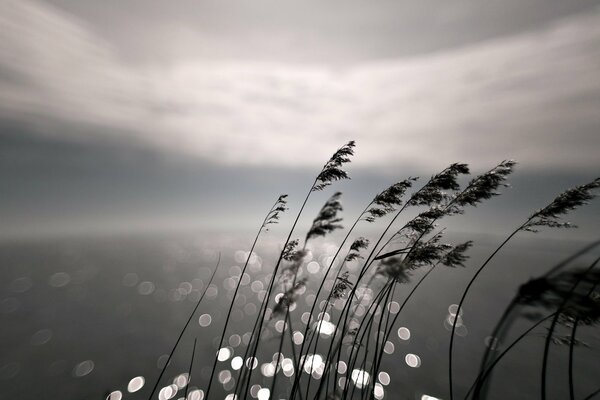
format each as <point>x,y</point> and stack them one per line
<point>502,322</point>
<point>553,326</point>
<point>189,377</point>
<point>464,296</point>
<point>237,288</point>
<point>312,309</point>
<point>162,372</point>
<point>484,374</point>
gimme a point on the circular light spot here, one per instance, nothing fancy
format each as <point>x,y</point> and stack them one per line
<point>313,267</point>
<point>305,317</point>
<point>378,391</point>
<point>205,320</point>
<point>224,376</point>
<point>116,395</point>
<point>240,256</point>
<point>452,318</point>
<point>254,390</point>
<point>360,378</point>
<point>145,288</point>
<point>313,362</point>
<point>162,361</point>
<point>404,333</point>
<point>41,337</point>
<point>21,285</point>
<point>59,279</point>
<point>167,392</point>
<point>325,328</point>
<point>212,291</point>
<point>341,367</point>
<point>394,307</point>
<point>413,360</point>
<point>298,338</point>
<point>10,370</point>
<point>83,368</point>
<point>267,369</point>
<point>181,380</point>
<point>389,347</point>
<point>236,363</point>
<point>251,362</point>
<point>461,331</point>
<point>384,378</point>
<point>9,305</point>
<point>135,384</point>
<point>287,365</point>
<point>453,308</point>
<point>256,286</point>
<point>279,326</point>
<point>224,354</point>
<point>235,340</point>
<point>263,394</point>
<point>196,394</point>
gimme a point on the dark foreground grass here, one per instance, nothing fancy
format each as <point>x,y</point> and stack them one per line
<point>336,348</point>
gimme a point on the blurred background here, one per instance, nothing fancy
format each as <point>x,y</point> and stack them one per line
<point>140,139</point>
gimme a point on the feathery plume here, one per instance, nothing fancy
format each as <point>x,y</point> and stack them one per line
<point>289,252</point>
<point>357,245</point>
<point>279,207</point>
<point>434,191</point>
<point>456,256</point>
<point>341,285</point>
<point>332,170</point>
<point>551,293</point>
<point>484,186</point>
<point>427,253</point>
<point>397,266</point>
<point>388,200</point>
<point>327,220</point>
<point>565,202</point>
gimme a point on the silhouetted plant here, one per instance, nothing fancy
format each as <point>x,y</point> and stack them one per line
<point>547,216</point>
<point>360,290</point>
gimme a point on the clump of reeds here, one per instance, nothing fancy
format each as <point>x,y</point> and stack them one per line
<point>355,301</point>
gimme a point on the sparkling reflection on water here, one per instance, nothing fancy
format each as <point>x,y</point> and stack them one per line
<point>97,318</point>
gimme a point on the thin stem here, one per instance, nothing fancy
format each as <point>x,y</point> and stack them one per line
<point>237,287</point>
<point>592,395</point>
<point>356,345</point>
<point>464,296</point>
<point>484,374</point>
<point>313,306</point>
<point>274,381</point>
<point>571,350</point>
<point>183,330</point>
<point>408,297</point>
<point>496,333</point>
<point>256,335</point>
<point>291,330</point>
<point>553,326</point>
<point>189,377</point>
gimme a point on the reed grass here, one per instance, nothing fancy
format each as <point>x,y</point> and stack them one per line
<point>356,301</point>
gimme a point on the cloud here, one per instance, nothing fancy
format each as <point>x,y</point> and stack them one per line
<point>533,97</point>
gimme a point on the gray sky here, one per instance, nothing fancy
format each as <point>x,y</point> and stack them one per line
<point>119,114</point>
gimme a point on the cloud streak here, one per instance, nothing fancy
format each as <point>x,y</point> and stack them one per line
<point>533,97</point>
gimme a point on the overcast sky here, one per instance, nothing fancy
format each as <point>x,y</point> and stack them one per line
<point>153,113</point>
